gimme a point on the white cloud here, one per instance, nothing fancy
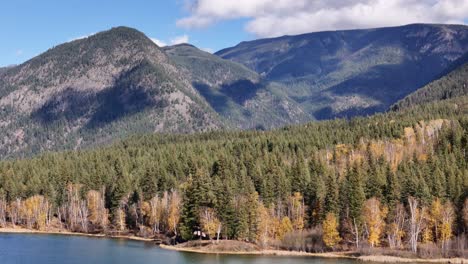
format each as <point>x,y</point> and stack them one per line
<point>267,18</point>
<point>19,52</point>
<point>174,41</point>
<point>158,42</point>
<point>180,40</point>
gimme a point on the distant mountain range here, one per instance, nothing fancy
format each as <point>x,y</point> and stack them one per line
<point>353,72</point>
<point>119,83</point>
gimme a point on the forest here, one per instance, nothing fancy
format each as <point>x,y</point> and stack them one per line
<point>396,182</point>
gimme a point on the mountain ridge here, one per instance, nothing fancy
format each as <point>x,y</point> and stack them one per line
<point>112,84</point>
<point>353,72</point>
<point>118,83</point>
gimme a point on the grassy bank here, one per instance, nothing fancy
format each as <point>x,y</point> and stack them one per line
<point>242,248</point>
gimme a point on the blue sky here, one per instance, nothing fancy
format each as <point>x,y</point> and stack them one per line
<point>30,27</point>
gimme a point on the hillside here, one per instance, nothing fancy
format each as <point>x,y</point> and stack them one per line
<point>118,83</point>
<point>453,84</point>
<point>353,72</point>
<point>110,85</point>
<point>238,94</point>
<point>285,188</point>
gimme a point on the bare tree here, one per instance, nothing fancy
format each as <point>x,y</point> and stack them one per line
<point>417,222</point>
<point>395,229</point>
<point>3,211</point>
<point>15,211</point>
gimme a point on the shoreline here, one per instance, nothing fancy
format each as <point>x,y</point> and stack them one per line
<point>333,255</point>
<point>267,252</point>
<point>20,230</point>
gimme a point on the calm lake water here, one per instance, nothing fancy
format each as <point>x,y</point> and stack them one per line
<point>55,249</point>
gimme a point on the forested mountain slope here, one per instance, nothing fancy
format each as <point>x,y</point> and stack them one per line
<point>238,94</point>
<point>451,84</point>
<point>275,188</point>
<point>353,72</point>
<point>94,90</point>
<point>117,83</point>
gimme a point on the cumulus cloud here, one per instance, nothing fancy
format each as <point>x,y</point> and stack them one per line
<point>174,41</point>
<point>158,42</point>
<point>267,18</point>
<point>180,40</point>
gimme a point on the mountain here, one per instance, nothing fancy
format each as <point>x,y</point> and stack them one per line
<point>452,84</point>
<point>89,91</point>
<point>353,72</point>
<point>118,83</point>
<point>241,96</point>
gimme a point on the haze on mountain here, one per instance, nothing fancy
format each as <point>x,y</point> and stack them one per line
<point>119,83</point>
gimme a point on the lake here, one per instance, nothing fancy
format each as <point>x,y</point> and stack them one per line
<point>55,249</point>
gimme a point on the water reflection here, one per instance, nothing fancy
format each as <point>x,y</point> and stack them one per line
<point>56,249</point>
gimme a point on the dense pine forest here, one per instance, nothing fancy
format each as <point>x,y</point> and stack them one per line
<point>396,181</point>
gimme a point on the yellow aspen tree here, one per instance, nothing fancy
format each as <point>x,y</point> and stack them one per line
<point>447,219</point>
<point>275,222</point>
<point>210,223</point>
<point>35,212</point>
<point>374,215</point>
<point>264,225</point>
<point>286,226</point>
<point>435,215</point>
<point>92,200</point>
<point>155,214</point>
<point>331,237</point>
<point>174,212</point>
<point>296,210</point>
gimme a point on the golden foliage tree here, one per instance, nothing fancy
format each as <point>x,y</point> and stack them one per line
<point>374,214</point>
<point>296,210</point>
<point>35,212</point>
<point>331,237</point>
<point>263,225</point>
<point>98,214</point>
<point>209,222</point>
<point>285,227</point>
<point>174,211</point>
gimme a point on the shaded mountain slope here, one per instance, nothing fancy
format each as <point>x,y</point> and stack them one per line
<point>452,84</point>
<point>238,94</point>
<point>353,72</point>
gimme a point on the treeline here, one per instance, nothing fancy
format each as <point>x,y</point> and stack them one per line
<point>373,181</point>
